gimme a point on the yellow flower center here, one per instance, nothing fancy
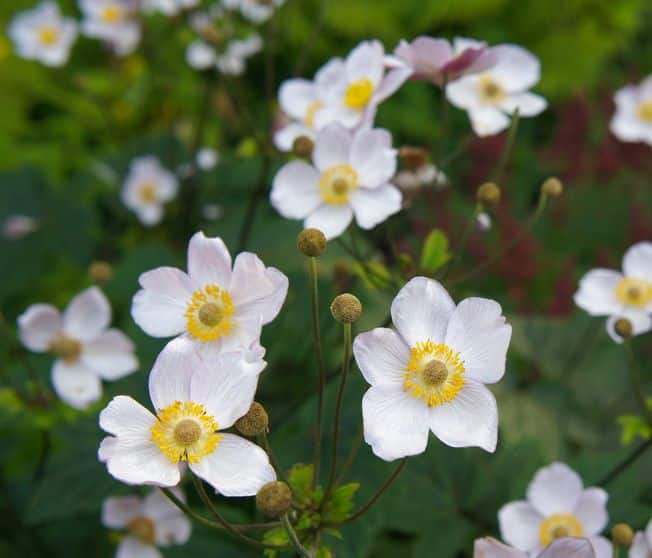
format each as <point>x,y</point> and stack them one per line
<point>634,292</point>
<point>148,192</point>
<point>434,373</point>
<point>111,14</point>
<point>491,91</point>
<point>185,432</point>
<point>358,93</point>
<point>336,183</point>
<point>559,525</point>
<point>65,348</point>
<point>143,529</point>
<point>309,118</point>
<point>209,313</point>
<point>48,35</point>
<point>645,111</point>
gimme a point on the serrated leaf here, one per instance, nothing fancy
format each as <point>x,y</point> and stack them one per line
<point>276,536</point>
<point>300,480</point>
<point>633,427</point>
<point>340,504</point>
<point>435,252</point>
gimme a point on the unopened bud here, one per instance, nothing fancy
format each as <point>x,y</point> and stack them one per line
<point>303,146</point>
<point>311,242</point>
<point>622,534</point>
<point>100,272</point>
<point>346,308</point>
<point>255,422</point>
<point>488,194</point>
<point>413,157</point>
<point>624,328</point>
<point>274,499</point>
<point>552,187</point>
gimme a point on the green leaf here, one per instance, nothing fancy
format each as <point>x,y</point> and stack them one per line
<point>435,252</point>
<point>340,504</point>
<point>633,426</point>
<point>276,536</point>
<point>374,274</point>
<point>300,480</point>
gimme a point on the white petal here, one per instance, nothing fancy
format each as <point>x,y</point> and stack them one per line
<point>150,214</point>
<point>591,510</point>
<point>648,533</point>
<point>126,418</point>
<point>569,548</point>
<point>332,220</point>
<point>637,261</point>
<point>87,315</point>
<point>366,62</point>
<point>421,310</point>
<point>602,547</point>
<point>38,325</point>
<point>516,68</point>
<point>464,93</point>
<point>372,206</point>
<point>76,384</point>
<point>296,96</point>
<point>169,380</point>
<point>519,525</point>
<point>237,467</point>
<point>641,322</point>
<point>471,419</point>
<point>131,547</point>
<point>639,548</point>
<point>555,489</point>
<point>284,137</point>
<point>160,306</point>
<point>117,512</point>
<point>395,423</point>
<point>171,526</point>
<point>173,530</point>
<point>488,121</point>
<point>372,157</point>
<point>111,355</point>
<point>381,356</point>
<point>295,191</point>
<point>390,84</point>
<point>332,147</point>
<point>477,329</point>
<point>597,292</point>
<point>528,104</point>
<point>626,126</point>
<point>491,548</point>
<point>209,261</point>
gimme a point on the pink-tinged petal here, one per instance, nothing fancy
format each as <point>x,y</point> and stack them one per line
<point>602,547</point>
<point>87,315</point>
<point>366,62</point>
<point>332,220</point>
<point>111,355</point>
<point>381,356</point>
<point>637,261</point>
<point>390,84</point>
<point>117,512</point>
<point>296,96</point>
<point>569,547</point>
<point>372,206</point>
<point>131,547</point>
<point>491,548</point>
<point>555,489</point>
<point>427,56</point>
<point>295,191</point>
<point>519,525</point>
<point>591,510</point>
<point>372,157</point>
<point>332,147</point>
<point>209,261</point>
<point>597,292</point>
<point>640,547</point>
<point>330,75</point>
<point>38,326</point>
<point>169,380</point>
<point>76,384</point>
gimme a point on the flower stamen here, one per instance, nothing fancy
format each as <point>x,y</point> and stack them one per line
<point>337,183</point>
<point>358,93</point>
<point>491,92</point>
<point>559,525</point>
<point>66,348</point>
<point>148,192</point>
<point>143,529</point>
<point>48,35</point>
<point>209,313</point>
<point>634,292</point>
<point>645,111</point>
<point>111,14</point>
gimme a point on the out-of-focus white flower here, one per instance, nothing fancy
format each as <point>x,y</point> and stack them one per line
<point>147,188</point>
<point>43,34</point>
<point>428,374</point>
<point>112,21</point>
<point>207,158</point>
<point>357,85</point>
<point>427,174</point>
<point>170,7</point>
<point>633,118</point>
<point>438,61</point>
<point>148,523</point>
<point>642,543</point>
<point>568,547</point>
<point>87,350</point>
<point>194,401</point>
<point>200,55</point>
<point>349,177</point>
<point>233,60</point>
<point>212,212</point>
<point>492,95</point>
<point>219,307</point>
<point>606,292</point>
<point>557,506</point>
<point>484,221</point>
<point>258,11</point>
<point>16,227</point>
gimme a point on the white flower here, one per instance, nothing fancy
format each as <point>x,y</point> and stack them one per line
<point>642,543</point>
<point>233,60</point>
<point>170,7</point>
<point>17,226</point>
<point>200,55</point>
<point>147,188</point>
<point>216,306</point>
<point>43,34</point>
<point>111,21</point>
<point>557,506</point>
<point>633,118</point>
<point>429,373</point>
<point>349,176</point>
<point>207,158</point>
<point>193,402</point>
<point>568,547</point>
<point>148,523</point>
<point>606,292</point>
<point>358,85</point>
<point>87,350</point>
<point>483,221</point>
<point>258,11</point>
<point>491,96</point>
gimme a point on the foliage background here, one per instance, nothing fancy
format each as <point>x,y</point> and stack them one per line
<point>67,136</point>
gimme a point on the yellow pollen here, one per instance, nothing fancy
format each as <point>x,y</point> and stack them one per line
<point>143,529</point>
<point>337,183</point>
<point>148,192</point>
<point>208,315</point>
<point>48,35</point>
<point>111,14</point>
<point>358,93</point>
<point>645,111</point>
<point>434,373</point>
<point>184,431</point>
<point>309,118</point>
<point>490,91</point>
<point>634,292</point>
<point>559,525</point>
<point>65,348</point>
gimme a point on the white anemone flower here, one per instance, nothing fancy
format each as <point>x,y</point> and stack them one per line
<point>147,188</point>
<point>170,7</point>
<point>218,306</point>
<point>633,118</point>
<point>207,158</point>
<point>642,543</point>
<point>360,83</point>
<point>606,292</point>
<point>200,55</point>
<point>194,401</point>
<point>233,61</point>
<point>43,34</point>
<point>428,374</point>
<point>259,11</point>
<point>349,177</point>
<point>112,21</point>
<point>557,506</point>
<point>148,523</point>
<point>87,350</point>
<point>569,547</point>
<point>491,96</point>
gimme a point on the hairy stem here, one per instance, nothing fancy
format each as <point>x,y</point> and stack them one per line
<point>635,376</point>
<point>507,150</point>
<point>296,543</point>
<point>625,463</point>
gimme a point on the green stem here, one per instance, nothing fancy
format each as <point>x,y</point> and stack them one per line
<point>507,151</point>
<point>444,124</point>
<point>294,539</point>
<point>263,440</point>
<point>625,463</point>
<point>635,377</point>
<point>466,233</point>
<point>352,455</point>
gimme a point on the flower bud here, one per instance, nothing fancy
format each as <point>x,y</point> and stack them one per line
<point>624,328</point>
<point>413,157</point>
<point>255,422</point>
<point>622,534</point>
<point>303,146</point>
<point>552,187</point>
<point>346,308</point>
<point>488,194</point>
<point>274,499</point>
<point>100,271</point>
<point>311,242</point>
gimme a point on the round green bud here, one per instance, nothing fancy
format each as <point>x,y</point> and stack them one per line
<point>622,534</point>
<point>311,242</point>
<point>303,146</point>
<point>552,187</point>
<point>274,499</point>
<point>624,328</point>
<point>488,194</point>
<point>100,271</point>
<point>255,422</point>
<point>346,308</point>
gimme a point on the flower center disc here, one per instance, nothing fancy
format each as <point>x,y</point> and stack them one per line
<point>111,14</point>
<point>559,525</point>
<point>187,432</point>
<point>634,292</point>
<point>337,183</point>
<point>208,315</point>
<point>490,91</point>
<point>143,529</point>
<point>65,348</point>
<point>435,373</point>
<point>148,192</point>
<point>48,35</point>
<point>358,93</point>
<point>645,111</point>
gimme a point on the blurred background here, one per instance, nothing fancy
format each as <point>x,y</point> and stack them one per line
<point>67,137</point>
